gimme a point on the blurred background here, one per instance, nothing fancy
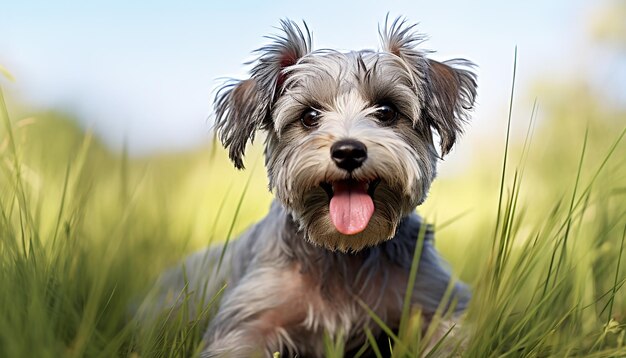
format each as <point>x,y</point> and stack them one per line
<point>109,172</point>
<point>140,79</point>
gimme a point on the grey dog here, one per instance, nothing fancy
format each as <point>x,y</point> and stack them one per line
<point>350,154</point>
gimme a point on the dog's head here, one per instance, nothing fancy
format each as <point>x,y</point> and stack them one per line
<point>349,148</point>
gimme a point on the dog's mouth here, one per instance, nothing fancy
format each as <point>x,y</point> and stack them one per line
<point>351,204</point>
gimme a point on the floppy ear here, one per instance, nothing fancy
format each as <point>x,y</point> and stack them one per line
<point>239,111</point>
<point>243,107</point>
<point>450,94</point>
<point>446,91</point>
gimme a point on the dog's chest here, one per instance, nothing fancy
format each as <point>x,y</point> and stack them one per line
<point>341,303</point>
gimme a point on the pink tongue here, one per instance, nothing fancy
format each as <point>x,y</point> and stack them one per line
<point>351,208</point>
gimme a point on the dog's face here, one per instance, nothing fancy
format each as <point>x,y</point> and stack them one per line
<point>349,149</point>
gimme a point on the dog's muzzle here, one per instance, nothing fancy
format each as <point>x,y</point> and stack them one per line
<point>351,206</point>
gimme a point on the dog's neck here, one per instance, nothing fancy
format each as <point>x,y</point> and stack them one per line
<point>353,270</point>
<point>397,250</point>
<point>336,272</point>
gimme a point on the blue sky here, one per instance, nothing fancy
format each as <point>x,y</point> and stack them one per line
<point>145,72</point>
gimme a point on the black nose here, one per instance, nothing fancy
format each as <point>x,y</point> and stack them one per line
<point>348,154</point>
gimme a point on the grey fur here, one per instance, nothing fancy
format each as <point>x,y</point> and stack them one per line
<point>292,277</point>
<point>254,269</point>
<point>242,107</point>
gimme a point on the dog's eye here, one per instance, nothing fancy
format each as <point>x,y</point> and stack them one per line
<point>386,113</point>
<point>310,118</point>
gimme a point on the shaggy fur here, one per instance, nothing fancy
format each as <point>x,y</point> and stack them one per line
<point>294,277</point>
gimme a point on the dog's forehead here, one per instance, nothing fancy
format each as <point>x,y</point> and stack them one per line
<point>323,75</point>
<point>337,81</point>
<point>344,66</point>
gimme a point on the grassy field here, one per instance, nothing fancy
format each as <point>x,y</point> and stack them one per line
<point>84,232</point>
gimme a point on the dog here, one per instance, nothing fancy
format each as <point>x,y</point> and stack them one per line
<point>350,153</point>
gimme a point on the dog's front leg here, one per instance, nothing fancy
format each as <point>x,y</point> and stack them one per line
<point>255,317</point>
<point>436,292</point>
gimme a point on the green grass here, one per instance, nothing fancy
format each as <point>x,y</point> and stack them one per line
<point>84,232</point>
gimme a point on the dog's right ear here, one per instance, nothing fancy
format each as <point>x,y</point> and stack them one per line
<point>242,107</point>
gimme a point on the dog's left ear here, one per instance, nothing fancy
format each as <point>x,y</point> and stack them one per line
<point>243,107</point>
<point>447,89</point>
<point>450,94</point>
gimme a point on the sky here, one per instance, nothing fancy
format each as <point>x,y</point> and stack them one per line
<point>145,73</point>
